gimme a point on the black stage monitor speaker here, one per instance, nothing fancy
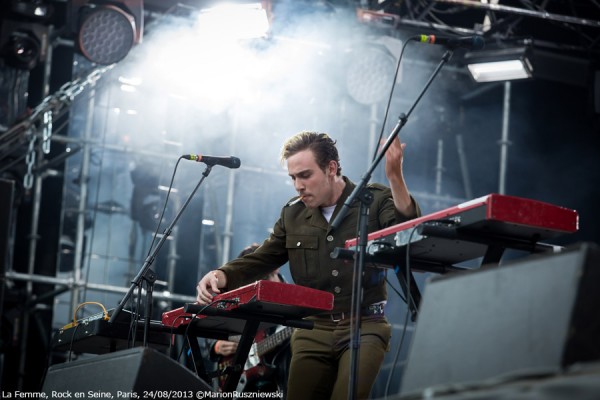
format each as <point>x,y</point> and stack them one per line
<point>133,373</point>
<point>534,316</point>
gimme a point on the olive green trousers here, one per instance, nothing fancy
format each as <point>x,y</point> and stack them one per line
<point>321,358</point>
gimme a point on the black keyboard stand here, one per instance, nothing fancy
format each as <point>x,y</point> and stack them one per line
<point>251,325</point>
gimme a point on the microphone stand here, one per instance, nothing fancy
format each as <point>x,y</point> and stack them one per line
<point>365,197</point>
<point>146,274</point>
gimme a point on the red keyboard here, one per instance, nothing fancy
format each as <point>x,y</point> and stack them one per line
<point>466,231</point>
<point>261,297</point>
<point>508,215</point>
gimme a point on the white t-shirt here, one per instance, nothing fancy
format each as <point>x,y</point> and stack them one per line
<point>328,212</point>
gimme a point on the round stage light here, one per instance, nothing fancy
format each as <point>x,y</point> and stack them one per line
<point>106,35</point>
<point>369,75</point>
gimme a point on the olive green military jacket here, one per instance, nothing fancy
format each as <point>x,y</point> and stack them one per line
<point>303,237</point>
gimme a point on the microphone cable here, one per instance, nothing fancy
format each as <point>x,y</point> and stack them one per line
<point>390,97</point>
<point>409,299</point>
<point>162,214</point>
<point>136,313</point>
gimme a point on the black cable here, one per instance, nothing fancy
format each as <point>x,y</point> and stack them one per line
<point>172,328</point>
<point>389,102</point>
<point>164,206</point>
<point>136,309</point>
<point>395,290</point>
<point>409,300</point>
<point>408,271</point>
<point>136,315</point>
<point>447,221</point>
<point>187,328</point>
<point>397,355</point>
<point>71,342</point>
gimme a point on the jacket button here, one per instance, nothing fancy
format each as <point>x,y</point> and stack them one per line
<point>335,272</point>
<point>330,238</point>
<point>337,289</point>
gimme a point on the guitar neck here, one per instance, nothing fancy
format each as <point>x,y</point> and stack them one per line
<point>271,342</point>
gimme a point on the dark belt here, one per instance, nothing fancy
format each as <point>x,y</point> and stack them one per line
<point>373,309</point>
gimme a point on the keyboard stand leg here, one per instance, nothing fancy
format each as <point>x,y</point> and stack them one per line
<point>197,360</point>
<point>241,355</point>
<point>413,298</point>
<point>492,255</point>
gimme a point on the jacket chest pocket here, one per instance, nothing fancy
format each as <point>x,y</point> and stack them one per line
<point>303,253</point>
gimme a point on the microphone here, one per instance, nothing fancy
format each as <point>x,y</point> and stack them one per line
<point>471,42</point>
<point>229,162</point>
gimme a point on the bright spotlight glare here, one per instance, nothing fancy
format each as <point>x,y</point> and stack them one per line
<point>212,74</point>
<point>128,88</point>
<point>166,189</point>
<point>133,81</point>
<point>234,21</point>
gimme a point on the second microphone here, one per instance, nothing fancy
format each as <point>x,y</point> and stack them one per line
<point>229,162</point>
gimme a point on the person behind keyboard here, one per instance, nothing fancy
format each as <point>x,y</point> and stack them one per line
<point>321,358</point>
<point>270,374</point>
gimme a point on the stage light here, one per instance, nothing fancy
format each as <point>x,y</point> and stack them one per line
<point>371,68</point>
<point>500,64</point>
<point>106,32</point>
<point>106,35</point>
<point>377,19</point>
<point>23,44</point>
<point>31,9</point>
<point>22,50</point>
